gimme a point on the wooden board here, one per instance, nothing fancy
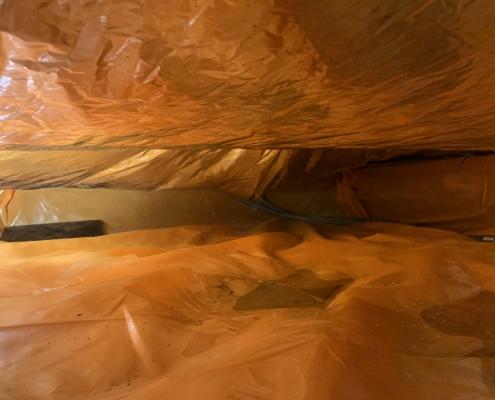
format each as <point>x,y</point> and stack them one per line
<point>60,230</point>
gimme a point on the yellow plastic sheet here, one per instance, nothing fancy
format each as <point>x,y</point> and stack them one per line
<point>156,314</point>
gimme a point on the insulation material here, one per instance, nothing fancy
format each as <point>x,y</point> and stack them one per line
<point>238,171</point>
<point>249,73</point>
<point>284,311</point>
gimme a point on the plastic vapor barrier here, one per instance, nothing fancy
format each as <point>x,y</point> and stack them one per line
<point>247,199</point>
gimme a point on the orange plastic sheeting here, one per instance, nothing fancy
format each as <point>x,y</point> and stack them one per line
<point>239,171</point>
<point>306,166</point>
<point>125,210</point>
<point>6,197</point>
<point>189,313</point>
<point>257,74</point>
<point>455,193</point>
<point>244,172</point>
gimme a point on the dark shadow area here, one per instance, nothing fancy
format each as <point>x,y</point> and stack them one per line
<point>473,317</point>
<point>299,290</point>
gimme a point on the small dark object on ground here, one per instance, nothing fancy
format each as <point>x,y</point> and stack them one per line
<point>60,230</point>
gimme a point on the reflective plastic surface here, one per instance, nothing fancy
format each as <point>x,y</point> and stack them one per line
<point>248,73</point>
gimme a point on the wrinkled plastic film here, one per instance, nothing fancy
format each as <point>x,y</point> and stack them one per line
<point>457,196</point>
<point>126,210</point>
<point>237,171</point>
<point>6,197</point>
<point>241,172</point>
<point>258,74</point>
<point>452,193</point>
<point>283,311</point>
<point>149,114</point>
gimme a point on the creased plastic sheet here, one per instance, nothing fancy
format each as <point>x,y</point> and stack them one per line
<point>238,171</point>
<point>250,73</point>
<point>243,172</point>
<point>453,193</point>
<point>165,314</point>
<point>126,210</point>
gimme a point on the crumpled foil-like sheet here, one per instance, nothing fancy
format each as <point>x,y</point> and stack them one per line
<point>248,73</point>
<point>238,171</point>
<point>153,315</point>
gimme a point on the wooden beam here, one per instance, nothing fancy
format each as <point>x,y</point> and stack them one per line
<point>60,230</point>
